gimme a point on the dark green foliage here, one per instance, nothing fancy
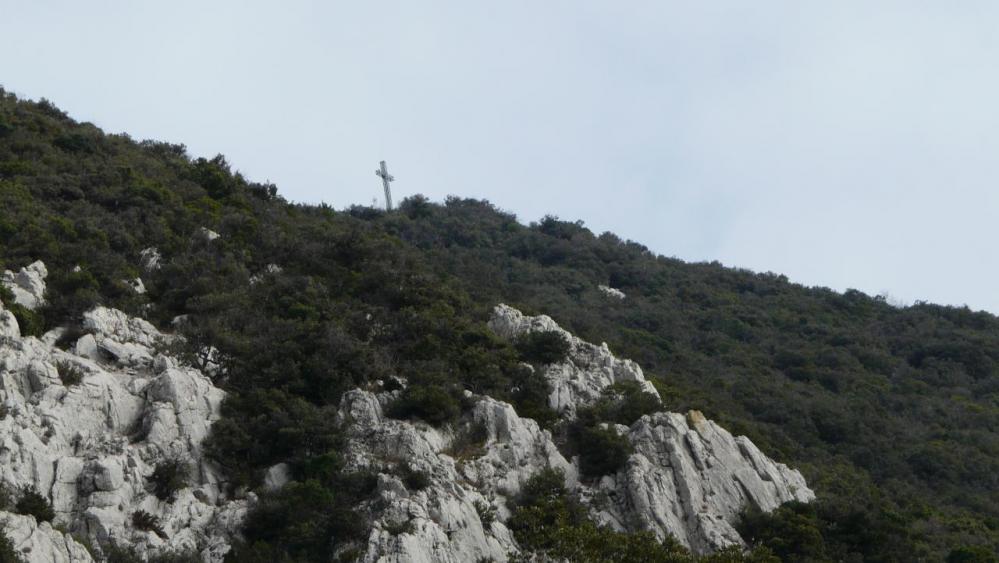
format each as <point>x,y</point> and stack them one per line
<point>414,479</point>
<point>70,374</point>
<point>542,347</point>
<point>470,441</point>
<point>8,553</point>
<point>114,553</point>
<point>621,403</point>
<point>168,477</point>
<point>791,531</point>
<point>145,521</point>
<point>486,512</point>
<point>602,451</point>
<point>32,503</point>
<point>7,497</point>
<point>429,403</point>
<point>825,531</point>
<point>301,521</point>
<point>973,554</point>
<point>30,322</point>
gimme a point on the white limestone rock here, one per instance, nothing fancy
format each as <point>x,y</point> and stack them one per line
<point>589,369</point>
<point>8,324</point>
<point>150,259</point>
<point>137,286</point>
<point>689,478</point>
<point>90,448</point>
<point>442,522</point>
<point>611,292</point>
<point>27,285</point>
<point>277,476</point>
<point>40,542</point>
<point>207,235</point>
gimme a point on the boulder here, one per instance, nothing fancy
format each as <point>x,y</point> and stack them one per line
<point>611,292</point>
<point>41,543</point>
<point>27,285</point>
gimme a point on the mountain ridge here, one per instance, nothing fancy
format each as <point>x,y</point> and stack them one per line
<point>890,413</point>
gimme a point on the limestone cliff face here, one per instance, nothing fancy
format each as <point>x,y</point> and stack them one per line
<point>588,371</point>
<point>90,447</point>
<point>688,477</point>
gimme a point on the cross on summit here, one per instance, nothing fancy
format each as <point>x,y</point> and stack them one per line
<point>386,178</point>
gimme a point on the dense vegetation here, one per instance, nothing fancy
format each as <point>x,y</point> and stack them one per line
<point>890,412</point>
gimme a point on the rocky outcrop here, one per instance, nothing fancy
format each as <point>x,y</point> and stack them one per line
<point>690,478</point>
<point>589,369</point>
<point>150,259</point>
<point>87,427</point>
<point>446,519</point>
<point>91,446</point>
<point>207,234</point>
<point>611,292</point>
<point>40,542</point>
<point>27,285</point>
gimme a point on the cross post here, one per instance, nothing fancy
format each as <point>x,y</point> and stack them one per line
<point>386,178</point>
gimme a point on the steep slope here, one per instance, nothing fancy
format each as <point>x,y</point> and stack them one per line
<point>685,481</point>
<point>90,428</point>
<point>891,413</point>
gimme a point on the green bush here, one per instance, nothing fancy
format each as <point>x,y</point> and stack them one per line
<point>30,322</point>
<point>114,553</point>
<point>602,451</point>
<point>301,521</point>
<point>542,347</point>
<point>973,554</point>
<point>430,403</point>
<point>70,374</point>
<point>145,521</point>
<point>414,479</point>
<point>30,502</point>
<point>168,477</point>
<point>8,553</point>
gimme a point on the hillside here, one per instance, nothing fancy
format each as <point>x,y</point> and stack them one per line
<point>891,414</point>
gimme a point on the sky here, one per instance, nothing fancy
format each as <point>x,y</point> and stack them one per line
<point>847,144</point>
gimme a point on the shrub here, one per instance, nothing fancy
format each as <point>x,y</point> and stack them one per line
<point>115,553</point>
<point>6,497</point>
<point>972,554</point>
<point>8,553</point>
<point>399,528</point>
<point>30,322</point>
<point>430,403</point>
<point>542,347</point>
<point>145,521</point>
<point>602,451</point>
<point>302,518</point>
<point>487,513</point>
<point>470,441</point>
<point>30,502</point>
<point>70,374</point>
<point>169,476</point>
<point>414,479</point>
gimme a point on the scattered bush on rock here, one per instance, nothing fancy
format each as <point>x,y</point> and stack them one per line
<point>169,477</point>
<point>30,502</point>
<point>542,347</point>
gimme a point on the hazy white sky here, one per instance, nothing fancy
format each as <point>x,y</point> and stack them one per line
<point>845,144</point>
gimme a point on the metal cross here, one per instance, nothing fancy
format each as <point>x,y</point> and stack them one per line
<point>386,178</point>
